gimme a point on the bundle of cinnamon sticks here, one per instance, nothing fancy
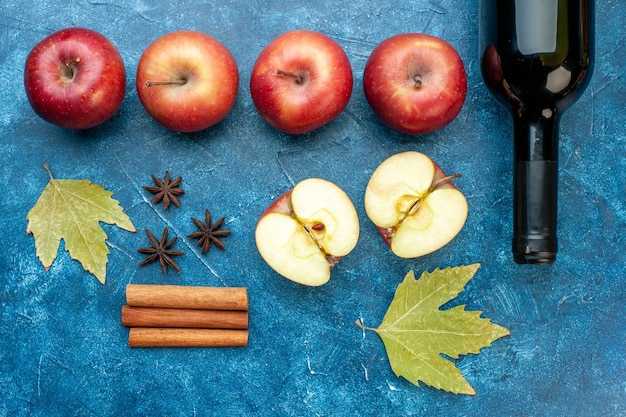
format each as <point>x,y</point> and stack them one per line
<point>185,316</point>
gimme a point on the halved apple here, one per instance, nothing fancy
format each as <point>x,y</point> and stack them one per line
<point>305,232</point>
<point>415,206</point>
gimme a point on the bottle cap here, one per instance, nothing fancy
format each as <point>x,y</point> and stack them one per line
<point>537,249</point>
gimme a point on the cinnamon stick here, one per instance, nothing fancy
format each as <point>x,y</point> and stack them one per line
<point>189,297</point>
<point>175,337</point>
<point>195,318</point>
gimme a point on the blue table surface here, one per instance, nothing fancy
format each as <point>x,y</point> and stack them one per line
<point>63,350</point>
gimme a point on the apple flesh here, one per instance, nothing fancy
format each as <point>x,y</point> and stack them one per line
<point>187,81</point>
<point>75,78</point>
<point>415,206</point>
<point>301,81</point>
<point>305,232</point>
<point>415,83</point>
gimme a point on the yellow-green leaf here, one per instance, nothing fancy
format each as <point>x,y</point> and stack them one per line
<point>72,210</point>
<point>416,332</point>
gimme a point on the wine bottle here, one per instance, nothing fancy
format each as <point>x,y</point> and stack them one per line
<point>537,59</point>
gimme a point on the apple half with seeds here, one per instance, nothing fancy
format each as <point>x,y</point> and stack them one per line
<point>307,230</point>
<point>414,204</point>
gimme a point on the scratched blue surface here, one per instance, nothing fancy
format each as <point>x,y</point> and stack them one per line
<point>63,350</point>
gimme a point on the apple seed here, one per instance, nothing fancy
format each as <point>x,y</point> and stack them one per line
<point>319,227</point>
<point>310,231</point>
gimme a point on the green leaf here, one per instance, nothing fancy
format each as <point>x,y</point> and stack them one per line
<point>416,332</point>
<point>72,210</point>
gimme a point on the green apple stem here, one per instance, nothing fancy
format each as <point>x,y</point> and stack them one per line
<point>297,78</point>
<point>182,81</point>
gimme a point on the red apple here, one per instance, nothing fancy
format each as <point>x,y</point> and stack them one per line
<point>415,207</point>
<point>301,81</point>
<point>187,81</point>
<point>415,83</point>
<point>307,230</point>
<point>75,78</point>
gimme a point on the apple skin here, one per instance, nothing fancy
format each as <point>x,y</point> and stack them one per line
<point>415,83</point>
<point>305,232</point>
<point>322,91</point>
<point>410,180</point>
<point>197,80</point>
<point>75,78</point>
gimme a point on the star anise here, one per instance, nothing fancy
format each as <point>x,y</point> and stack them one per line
<point>161,250</point>
<point>166,190</point>
<point>209,233</point>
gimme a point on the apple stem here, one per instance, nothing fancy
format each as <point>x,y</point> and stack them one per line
<point>298,79</point>
<point>174,82</point>
<point>417,80</point>
<point>432,188</point>
<point>442,180</point>
<point>69,70</point>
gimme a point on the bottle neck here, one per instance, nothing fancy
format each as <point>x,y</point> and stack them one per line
<point>536,134</point>
<point>535,183</point>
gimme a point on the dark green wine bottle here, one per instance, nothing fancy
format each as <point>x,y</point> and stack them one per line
<point>536,59</point>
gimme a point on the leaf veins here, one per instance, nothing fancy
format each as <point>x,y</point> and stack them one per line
<point>72,210</point>
<point>416,332</point>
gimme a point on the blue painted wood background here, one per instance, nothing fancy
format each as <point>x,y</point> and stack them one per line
<point>63,350</point>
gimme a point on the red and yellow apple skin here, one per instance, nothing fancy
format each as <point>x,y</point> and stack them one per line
<point>415,83</point>
<point>75,78</point>
<point>301,81</point>
<point>187,81</point>
<point>307,230</point>
<point>415,207</point>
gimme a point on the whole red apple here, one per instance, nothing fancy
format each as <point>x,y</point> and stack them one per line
<point>301,81</point>
<point>75,78</point>
<point>187,80</point>
<point>415,83</point>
